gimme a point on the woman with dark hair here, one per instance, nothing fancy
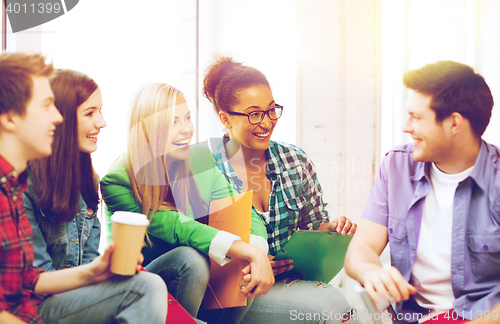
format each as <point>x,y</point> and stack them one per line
<point>287,194</point>
<point>62,198</point>
<point>61,204</point>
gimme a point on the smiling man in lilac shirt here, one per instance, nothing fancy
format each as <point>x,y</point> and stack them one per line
<point>437,203</point>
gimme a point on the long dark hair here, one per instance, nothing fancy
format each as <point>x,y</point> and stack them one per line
<point>58,180</point>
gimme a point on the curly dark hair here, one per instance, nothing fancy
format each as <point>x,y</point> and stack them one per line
<point>225,79</point>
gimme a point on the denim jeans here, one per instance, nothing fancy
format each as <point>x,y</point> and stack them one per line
<point>138,299</point>
<point>289,301</point>
<point>186,271</point>
<point>300,301</point>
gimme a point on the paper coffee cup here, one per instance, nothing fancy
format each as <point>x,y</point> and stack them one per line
<point>127,231</point>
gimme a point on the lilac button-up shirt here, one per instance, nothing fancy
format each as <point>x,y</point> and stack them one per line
<point>396,201</point>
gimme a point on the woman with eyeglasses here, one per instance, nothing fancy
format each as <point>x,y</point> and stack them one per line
<point>287,195</point>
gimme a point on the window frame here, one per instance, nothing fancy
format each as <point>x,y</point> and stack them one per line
<point>3,22</point>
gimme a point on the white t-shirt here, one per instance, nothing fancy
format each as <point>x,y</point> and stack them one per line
<point>431,273</point>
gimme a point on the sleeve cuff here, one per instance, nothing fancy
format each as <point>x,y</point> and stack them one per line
<point>30,278</point>
<point>259,242</point>
<point>375,217</point>
<point>220,246</point>
<point>3,303</point>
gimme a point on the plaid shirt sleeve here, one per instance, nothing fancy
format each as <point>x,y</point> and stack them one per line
<point>30,278</point>
<point>3,303</point>
<point>314,213</point>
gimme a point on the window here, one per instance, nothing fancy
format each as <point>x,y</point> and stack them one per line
<point>124,48</point>
<point>3,28</point>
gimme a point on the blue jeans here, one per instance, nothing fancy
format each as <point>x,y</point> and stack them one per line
<point>186,271</point>
<point>300,301</point>
<point>138,299</point>
<point>289,301</point>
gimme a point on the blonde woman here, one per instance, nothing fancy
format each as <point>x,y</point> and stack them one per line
<point>173,183</point>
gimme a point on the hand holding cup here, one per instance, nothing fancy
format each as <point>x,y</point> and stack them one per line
<point>128,230</point>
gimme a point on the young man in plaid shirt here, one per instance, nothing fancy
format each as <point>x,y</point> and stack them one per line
<point>84,294</point>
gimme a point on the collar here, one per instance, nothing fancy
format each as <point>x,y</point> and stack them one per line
<point>273,165</point>
<point>479,174</point>
<point>219,152</point>
<point>422,171</point>
<point>9,174</point>
<point>222,163</point>
<point>486,159</point>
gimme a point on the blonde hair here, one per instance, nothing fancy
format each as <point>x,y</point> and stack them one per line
<point>155,187</point>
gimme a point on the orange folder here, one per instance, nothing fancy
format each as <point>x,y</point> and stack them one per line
<point>233,215</point>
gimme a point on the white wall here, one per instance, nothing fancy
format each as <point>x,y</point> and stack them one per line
<point>338,103</point>
<point>420,32</point>
<point>339,97</point>
<point>260,34</point>
<point>488,45</point>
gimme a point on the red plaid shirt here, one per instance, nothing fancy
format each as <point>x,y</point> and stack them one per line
<point>18,277</point>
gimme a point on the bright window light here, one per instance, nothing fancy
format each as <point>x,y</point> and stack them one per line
<point>123,48</point>
<point>420,32</point>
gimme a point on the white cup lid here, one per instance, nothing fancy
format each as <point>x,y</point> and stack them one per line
<point>130,218</point>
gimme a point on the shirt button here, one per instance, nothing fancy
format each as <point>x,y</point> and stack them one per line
<point>485,247</point>
<point>495,160</point>
<point>3,180</point>
<point>14,198</point>
<point>390,230</point>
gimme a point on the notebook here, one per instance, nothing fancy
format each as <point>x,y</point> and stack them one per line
<point>317,255</point>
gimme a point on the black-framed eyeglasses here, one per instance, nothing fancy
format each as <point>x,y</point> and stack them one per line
<point>256,117</point>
